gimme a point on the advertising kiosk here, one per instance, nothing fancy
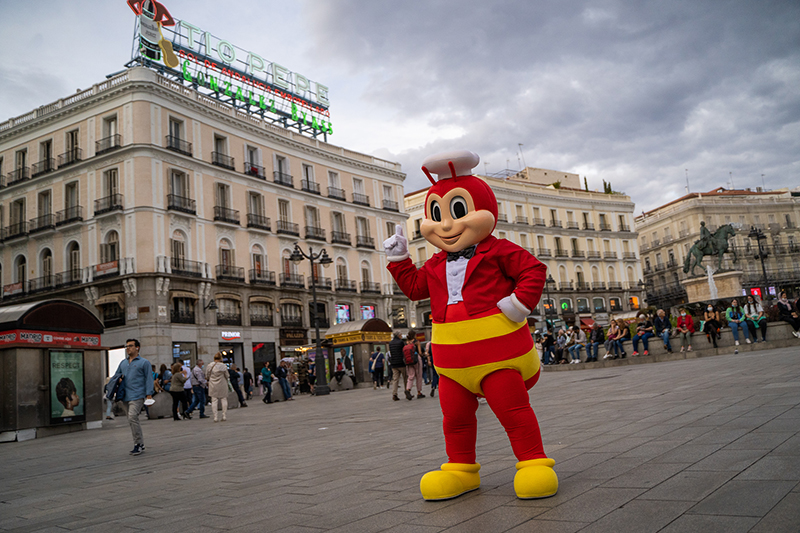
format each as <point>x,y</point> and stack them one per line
<point>51,364</point>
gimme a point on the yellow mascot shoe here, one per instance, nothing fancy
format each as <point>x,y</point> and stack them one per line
<point>454,479</point>
<point>535,479</point>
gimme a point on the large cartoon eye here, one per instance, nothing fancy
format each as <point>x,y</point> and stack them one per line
<point>436,212</point>
<point>458,207</point>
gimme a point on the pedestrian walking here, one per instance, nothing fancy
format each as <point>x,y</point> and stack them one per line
<point>248,383</point>
<point>376,367</point>
<point>266,382</point>
<point>399,374</point>
<point>199,384</point>
<point>176,390</point>
<point>413,368</point>
<point>137,374</point>
<point>219,384</point>
<point>234,379</point>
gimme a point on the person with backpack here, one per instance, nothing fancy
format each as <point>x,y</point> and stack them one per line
<point>413,367</point>
<point>398,365</point>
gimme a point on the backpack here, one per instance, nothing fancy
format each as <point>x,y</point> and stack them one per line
<point>409,355</point>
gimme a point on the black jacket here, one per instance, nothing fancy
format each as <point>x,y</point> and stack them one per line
<point>396,353</point>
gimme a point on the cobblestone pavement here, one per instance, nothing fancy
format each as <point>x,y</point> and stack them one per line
<point>709,444</point>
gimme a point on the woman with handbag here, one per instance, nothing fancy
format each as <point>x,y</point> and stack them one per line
<point>219,386</point>
<point>178,378</point>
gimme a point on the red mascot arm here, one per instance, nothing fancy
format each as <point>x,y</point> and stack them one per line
<point>412,281</point>
<point>528,272</point>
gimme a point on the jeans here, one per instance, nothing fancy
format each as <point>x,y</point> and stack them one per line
<point>238,394</point>
<point>665,337</point>
<point>267,391</point>
<point>198,400</point>
<point>646,335</point>
<point>287,391</point>
<point>735,326</point>
<point>109,408</point>
<point>134,408</point>
<point>621,346</point>
<point>549,355</point>
<point>377,376</point>
<point>593,349</point>
<point>575,351</point>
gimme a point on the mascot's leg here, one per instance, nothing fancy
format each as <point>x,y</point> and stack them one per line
<point>460,473</point>
<point>507,395</point>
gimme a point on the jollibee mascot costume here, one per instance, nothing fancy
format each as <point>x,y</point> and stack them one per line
<point>481,290</point>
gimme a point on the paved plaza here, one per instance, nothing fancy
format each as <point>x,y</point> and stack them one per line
<point>709,444</point>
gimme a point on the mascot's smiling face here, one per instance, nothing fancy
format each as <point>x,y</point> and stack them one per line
<point>459,212</point>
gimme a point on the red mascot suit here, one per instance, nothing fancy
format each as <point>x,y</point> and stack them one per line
<point>481,291</point>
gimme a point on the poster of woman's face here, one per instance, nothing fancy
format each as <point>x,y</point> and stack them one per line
<point>66,387</point>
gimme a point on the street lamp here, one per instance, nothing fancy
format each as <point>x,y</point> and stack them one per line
<point>321,385</point>
<point>757,234</point>
<point>549,306</point>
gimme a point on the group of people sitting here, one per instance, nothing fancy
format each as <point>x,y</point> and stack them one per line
<point>565,347</point>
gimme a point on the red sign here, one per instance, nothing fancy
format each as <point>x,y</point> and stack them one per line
<point>106,268</point>
<point>14,288</point>
<point>755,291</point>
<point>54,338</point>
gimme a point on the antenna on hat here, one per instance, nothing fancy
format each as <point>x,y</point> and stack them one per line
<point>427,173</point>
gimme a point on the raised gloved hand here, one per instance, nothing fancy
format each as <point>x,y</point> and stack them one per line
<point>396,246</point>
<point>513,308</point>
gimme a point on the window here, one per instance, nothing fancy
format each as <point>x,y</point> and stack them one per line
<point>71,143</point>
<point>388,193</point>
<point>46,155</point>
<point>367,312</point>
<point>281,165</point>
<point>45,203</point>
<point>175,128</point>
<point>226,256</point>
<point>253,155</point>
<point>333,180</point>
<point>109,251</point>
<point>366,275</point>
<point>583,305</point>
<point>614,304</point>
<point>258,259</point>
<point>16,212</point>
<point>110,126</point>
<point>566,305</point>
<point>553,215</point>
<point>178,246</point>
<point>338,222</point>
<point>362,225</point>
<point>341,269</point>
<point>255,203</point>
<point>342,313</point>
<point>501,234</point>
<point>73,257</point>
<point>20,270</point>
<point>222,195</point>
<point>599,305</point>
<point>228,307</point>
<point>46,266</point>
<point>110,182</point>
<point>358,186</point>
<point>71,195</point>
<point>390,228</point>
<point>21,159</point>
<point>283,211</point>
<point>312,217</point>
<point>220,144</point>
<point>523,240</point>
<point>422,255</point>
<point>308,173</point>
<point>179,184</point>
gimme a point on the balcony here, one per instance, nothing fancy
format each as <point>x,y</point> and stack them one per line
<point>107,144</point>
<point>345,285</point>
<point>370,287</point>
<point>417,235</point>
<point>578,254</point>
<point>287,228</point>
<point>660,267</point>
<point>223,214</point>
<point>43,167</point>
<point>181,317</point>
<point>340,237</point>
<point>391,205</point>
<point>609,255</point>
<point>323,284</point>
<point>292,321</point>
<point>629,256</point>
<point>336,193</point>
<point>229,319</point>
<point>12,231</point>
<point>521,220</point>
<point>69,278</point>
<point>262,277</point>
<point>360,199</point>
<point>261,320</point>
<point>615,285</point>
<point>108,204</point>
<point>179,145</point>
<point>593,255</point>
<point>582,286</point>
<point>222,160</point>
<point>295,281</point>
<point>562,253</point>
<point>588,226</point>
<point>571,224</point>
<point>555,223</point>
<point>182,204</point>
<point>257,171</point>
<point>668,238</point>
<point>365,242</point>
<point>539,222</point>
<point>655,243</point>
<point>565,286</point>
<point>18,176</point>
<point>672,263</point>
<point>626,228</point>
<point>184,267</point>
<point>584,308</point>
<point>70,157</point>
<point>310,186</point>
<point>258,222</point>
<point>605,227</point>
<point>598,285</point>
<point>283,179</point>
<point>45,283</point>
<point>543,252</point>
<point>683,233</point>
<point>69,215</point>
<point>42,223</point>
<point>230,273</point>
<point>316,233</point>
<point>502,217</point>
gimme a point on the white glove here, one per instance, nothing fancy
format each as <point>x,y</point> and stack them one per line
<point>396,246</point>
<point>513,308</point>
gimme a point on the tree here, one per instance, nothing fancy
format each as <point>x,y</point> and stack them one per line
<point>585,184</point>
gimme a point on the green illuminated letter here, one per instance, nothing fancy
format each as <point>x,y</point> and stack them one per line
<point>239,94</point>
<point>227,88</point>
<point>294,112</point>
<point>212,84</point>
<point>184,68</point>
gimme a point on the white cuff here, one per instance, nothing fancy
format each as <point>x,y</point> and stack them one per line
<point>398,258</point>
<point>520,307</point>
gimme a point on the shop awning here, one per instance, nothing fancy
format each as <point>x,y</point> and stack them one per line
<point>228,296</point>
<point>183,294</point>
<point>623,316</point>
<point>587,322</point>
<point>260,299</point>
<point>368,330</point>
<point>116,298</point>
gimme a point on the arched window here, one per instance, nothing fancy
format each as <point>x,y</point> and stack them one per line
<point>562,274</point>
<point>109,251</point>
<point>178,246</point>
<point>258,259</point>
<point>20,269</point>
<point>341,269</point>
<point>612,276</point>
<point>579,278</point>
<point>289,267</point>
<point>366,272</point>
<point>599,305</point>
<point>74,258</point>
<point>631,277</point>
<point>46,264</point>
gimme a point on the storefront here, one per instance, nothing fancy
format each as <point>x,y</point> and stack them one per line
<point>52,367</point>
<point>353,342</point>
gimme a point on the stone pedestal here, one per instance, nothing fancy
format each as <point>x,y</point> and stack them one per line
<point>729,285</point>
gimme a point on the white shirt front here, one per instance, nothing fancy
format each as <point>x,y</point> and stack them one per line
<point>456,272</point>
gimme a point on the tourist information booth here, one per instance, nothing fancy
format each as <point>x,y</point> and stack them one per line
<point>52,369</point>
<point>355,341</point>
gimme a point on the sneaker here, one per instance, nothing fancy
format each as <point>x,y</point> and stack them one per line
<point>748,341</point>
<point>408,395</point>
<point>796,334</point>
<point>395,398</point>
<point>646,353</point>
<point>224,418</point>
<point>681,349</point>
<point>244,404</point>
<point>204,416</point>
<point>736,343</point>
<point>138,449</point>
<point>420,395</point>
<point>736,351</point>
<point>634,354</point>
<point>689,349</point>
<point>433,391</point>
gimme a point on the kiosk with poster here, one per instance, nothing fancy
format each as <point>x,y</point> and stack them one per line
<point>52,365</point>
<point>355,341</point>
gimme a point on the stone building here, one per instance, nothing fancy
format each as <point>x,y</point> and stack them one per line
<point>585,238</point>
<point>146,201</point>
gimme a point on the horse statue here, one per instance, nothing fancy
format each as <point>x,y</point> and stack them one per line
<point>709,244</point>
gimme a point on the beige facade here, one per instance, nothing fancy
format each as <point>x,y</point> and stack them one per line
<point>668,232</point>
<point>144,200</point>
<point>585,239</point>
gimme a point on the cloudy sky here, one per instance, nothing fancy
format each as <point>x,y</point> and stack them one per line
<point>631,92</point>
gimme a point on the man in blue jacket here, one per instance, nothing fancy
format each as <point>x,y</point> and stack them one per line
<point>138,376</point>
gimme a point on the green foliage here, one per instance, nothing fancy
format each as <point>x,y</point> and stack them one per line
<point>585,184</point>
<point>556,184</point>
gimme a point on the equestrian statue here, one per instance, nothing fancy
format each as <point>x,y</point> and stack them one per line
<point>709,244</point>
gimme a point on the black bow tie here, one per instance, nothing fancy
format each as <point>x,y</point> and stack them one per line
<point>466,252</point>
